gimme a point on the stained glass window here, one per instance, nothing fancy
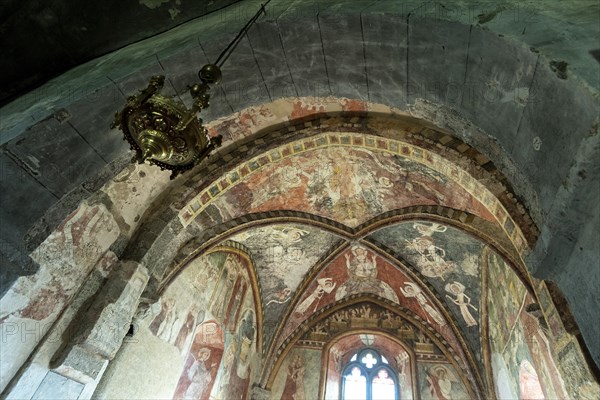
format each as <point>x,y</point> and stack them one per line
<point>368,376</point>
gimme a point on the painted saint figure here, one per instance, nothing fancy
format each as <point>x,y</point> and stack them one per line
<point>186,329</point>
<point>166,321</point>
<point>462,300</point>
<point>431,260</point>
<point>529,382</point>
<point>166,308</point>
<point>402,360</point>
<point>225,286</point>
<point>227,366</point>
<point>440,386</point>
<point>200,376</point>
<point>361,265</point>
<point>412,290</point>
<point>294,384</point>
<point>362,272</point>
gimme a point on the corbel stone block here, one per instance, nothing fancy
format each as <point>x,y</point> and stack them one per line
<point>258,393</point>
<point>104,324</point>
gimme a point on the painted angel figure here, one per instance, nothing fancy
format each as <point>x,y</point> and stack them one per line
<point>325,286</point>
<point>288,235</point>
<point>429,229</point>
<point>440,384</point>
<point>461,300</point>
<point>412,290</point>
<point>431,260</point>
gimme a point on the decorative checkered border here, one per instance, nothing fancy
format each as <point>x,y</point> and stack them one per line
<point>368,142</point>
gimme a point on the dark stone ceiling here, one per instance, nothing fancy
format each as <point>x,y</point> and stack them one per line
<point>42,39</point>
<point>533,61</point>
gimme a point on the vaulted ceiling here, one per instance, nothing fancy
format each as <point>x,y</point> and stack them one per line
<point>502,125</point>
<point>341,214</point>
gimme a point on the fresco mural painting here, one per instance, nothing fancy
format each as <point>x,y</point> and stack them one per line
<point>299,375</point>
<point>440,382</point>
<point>359,270</point>
<point>450,260</point>
<point>522,360</point>
<point>201,363</point>
<point>282,255</point>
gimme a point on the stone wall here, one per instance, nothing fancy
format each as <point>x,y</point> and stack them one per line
<point>540,129</point>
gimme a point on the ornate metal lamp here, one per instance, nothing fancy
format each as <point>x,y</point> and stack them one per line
<point>162,130</point>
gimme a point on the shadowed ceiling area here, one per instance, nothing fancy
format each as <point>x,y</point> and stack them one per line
<point>415,180</point>
<point>64,37</point>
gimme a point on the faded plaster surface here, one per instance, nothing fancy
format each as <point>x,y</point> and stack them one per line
<point>61,334</point>
<point>32,305</point>
<point>160,363</point>
<point>130,194</point>
<point>508,96</point>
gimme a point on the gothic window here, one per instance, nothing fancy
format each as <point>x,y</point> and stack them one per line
<point>368,376</point>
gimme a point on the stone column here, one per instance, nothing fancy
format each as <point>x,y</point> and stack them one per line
<point>103,326</point>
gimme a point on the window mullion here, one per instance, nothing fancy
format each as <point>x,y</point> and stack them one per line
<point>369,373</point>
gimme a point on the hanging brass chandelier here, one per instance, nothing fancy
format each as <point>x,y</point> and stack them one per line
<point>163,130</point>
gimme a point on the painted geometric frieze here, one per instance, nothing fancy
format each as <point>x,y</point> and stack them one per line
<point>450,260</point>
<point>345,177</point>
<point>300,115</point>
<point>370,316</point>
<point>282,255</point>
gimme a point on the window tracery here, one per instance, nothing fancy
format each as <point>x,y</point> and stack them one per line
<point>369,376</point>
